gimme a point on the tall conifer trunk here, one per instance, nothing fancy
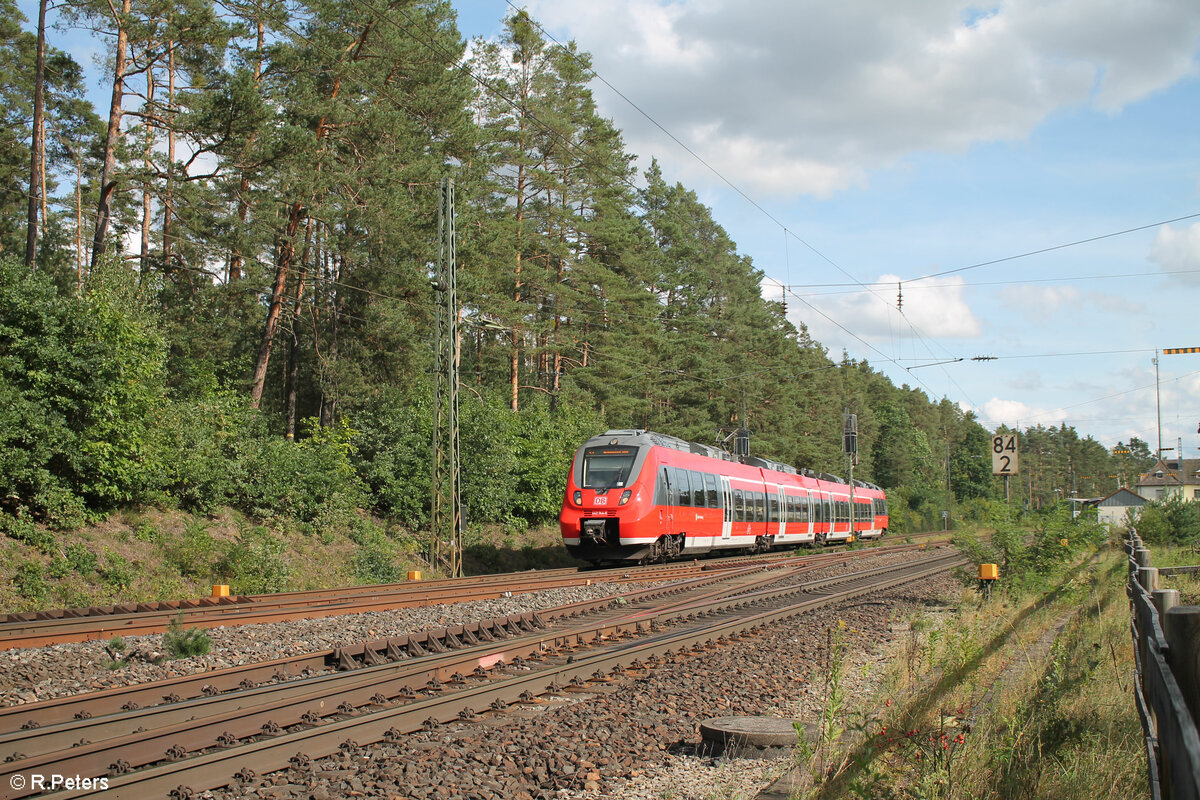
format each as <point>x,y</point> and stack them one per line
<point>37,183</point>
<point>108,181</point>
<point>285,254</point>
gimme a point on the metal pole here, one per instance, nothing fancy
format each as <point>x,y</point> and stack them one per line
<point>437,510</point>
<point>455,357</point>
<point>1158,404</point>
<point>446,508</point>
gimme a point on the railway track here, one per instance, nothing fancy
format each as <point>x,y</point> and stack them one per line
<point>393,688</point>
<point>38,629</point>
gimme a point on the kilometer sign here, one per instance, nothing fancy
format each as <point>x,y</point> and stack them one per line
<point>1004,454</point>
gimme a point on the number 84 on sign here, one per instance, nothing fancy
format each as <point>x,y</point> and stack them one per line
<point>1004,454</point>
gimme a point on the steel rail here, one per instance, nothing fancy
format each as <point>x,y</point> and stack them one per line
<point>183,687</point>
<point>134,739</point>
<point>215,769</point>
<point>35,629</point>
<point>18,634</point>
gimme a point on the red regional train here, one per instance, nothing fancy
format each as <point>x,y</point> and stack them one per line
<point>635,495</point>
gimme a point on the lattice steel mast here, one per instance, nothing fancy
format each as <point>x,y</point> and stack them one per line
<point>446,519</point>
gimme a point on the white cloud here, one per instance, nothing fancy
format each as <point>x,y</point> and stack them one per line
<point>1015,413</point>
<point>933,310</point>
<point>1041,303</point>
<point>805,96</point>
<point>1177,250</point>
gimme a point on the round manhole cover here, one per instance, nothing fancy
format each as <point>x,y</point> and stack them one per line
<point>756,731</point>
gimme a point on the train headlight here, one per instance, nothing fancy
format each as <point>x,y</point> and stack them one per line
<point>578,497</point>
<point>625,495</point>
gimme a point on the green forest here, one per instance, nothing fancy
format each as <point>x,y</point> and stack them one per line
<point>215,292</point>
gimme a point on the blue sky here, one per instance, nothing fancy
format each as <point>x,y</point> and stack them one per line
<point>894,141</point>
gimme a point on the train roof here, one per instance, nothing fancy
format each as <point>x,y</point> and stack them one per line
<point>663,440</point>
<point>642,436</point>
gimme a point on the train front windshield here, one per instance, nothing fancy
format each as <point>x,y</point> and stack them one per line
<point>607,467</point>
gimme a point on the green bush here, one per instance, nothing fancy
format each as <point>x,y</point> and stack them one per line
<point>117,572</point>
<point>375,563</point>
<point>198,438</point>
<point>24,530</point>
<point>1026,557</point>
<point>392,455</point>
<point>194,553</point>
<point>80,379</point>
<point>1170,521</point>
<point>255,563</point>
<point>80,559</point>
<point>304,480</point>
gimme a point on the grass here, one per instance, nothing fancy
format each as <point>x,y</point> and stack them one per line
<point>1019,697</point>
<point>148,554</point>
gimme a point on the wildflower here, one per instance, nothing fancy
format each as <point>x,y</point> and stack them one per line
<point>887,702</point>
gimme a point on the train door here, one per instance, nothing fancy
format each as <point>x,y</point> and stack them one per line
<point>664,498</point>
<point>783,511</point>
<point>805,505</point>
<point>727,505</point>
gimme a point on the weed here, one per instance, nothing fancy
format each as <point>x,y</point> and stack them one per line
<point>255,564</point>
<point>181,643</point>
<point>30,582</point>
<point>117,654</point>
<point>80,559</point>
<point>118,572</point>
<point>194,552</point>
<point>145,531</point>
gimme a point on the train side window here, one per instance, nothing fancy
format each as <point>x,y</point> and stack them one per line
<point>710,485</point>
<point>789,508</point>
<point>661,489</point>
<point>739,511</point>
<point>760,507</point>
<point>773,507</point>
<point>698,490</point>
<point>685,488</point>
